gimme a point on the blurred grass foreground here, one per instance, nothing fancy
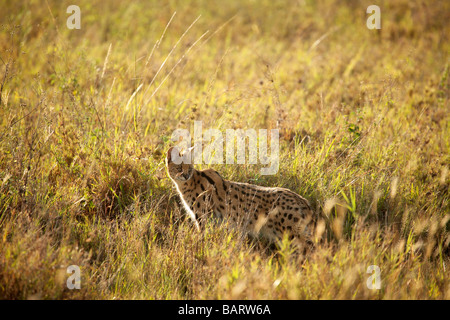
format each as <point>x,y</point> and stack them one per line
<point>87,114</point>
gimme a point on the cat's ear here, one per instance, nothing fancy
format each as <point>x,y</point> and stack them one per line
<point>170,154</point>
<point>187,154</point>
<point>173,155</point>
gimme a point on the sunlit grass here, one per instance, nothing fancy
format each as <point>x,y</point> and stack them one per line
<point>86,117</point>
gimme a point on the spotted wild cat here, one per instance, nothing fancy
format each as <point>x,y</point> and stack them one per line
<point>261,211</point>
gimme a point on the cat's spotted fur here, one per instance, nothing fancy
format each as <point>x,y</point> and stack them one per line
<point>262,211</point>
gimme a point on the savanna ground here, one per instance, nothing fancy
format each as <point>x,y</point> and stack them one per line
<point>86,117</point>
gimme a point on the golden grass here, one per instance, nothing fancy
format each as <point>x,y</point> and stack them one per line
<point>87,115</point>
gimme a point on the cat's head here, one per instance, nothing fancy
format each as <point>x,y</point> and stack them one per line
<point>176,170</point>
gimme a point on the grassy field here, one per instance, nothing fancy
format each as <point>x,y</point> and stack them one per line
<point>87,115</point>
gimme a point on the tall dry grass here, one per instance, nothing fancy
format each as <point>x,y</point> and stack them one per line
<point>86,116</point>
